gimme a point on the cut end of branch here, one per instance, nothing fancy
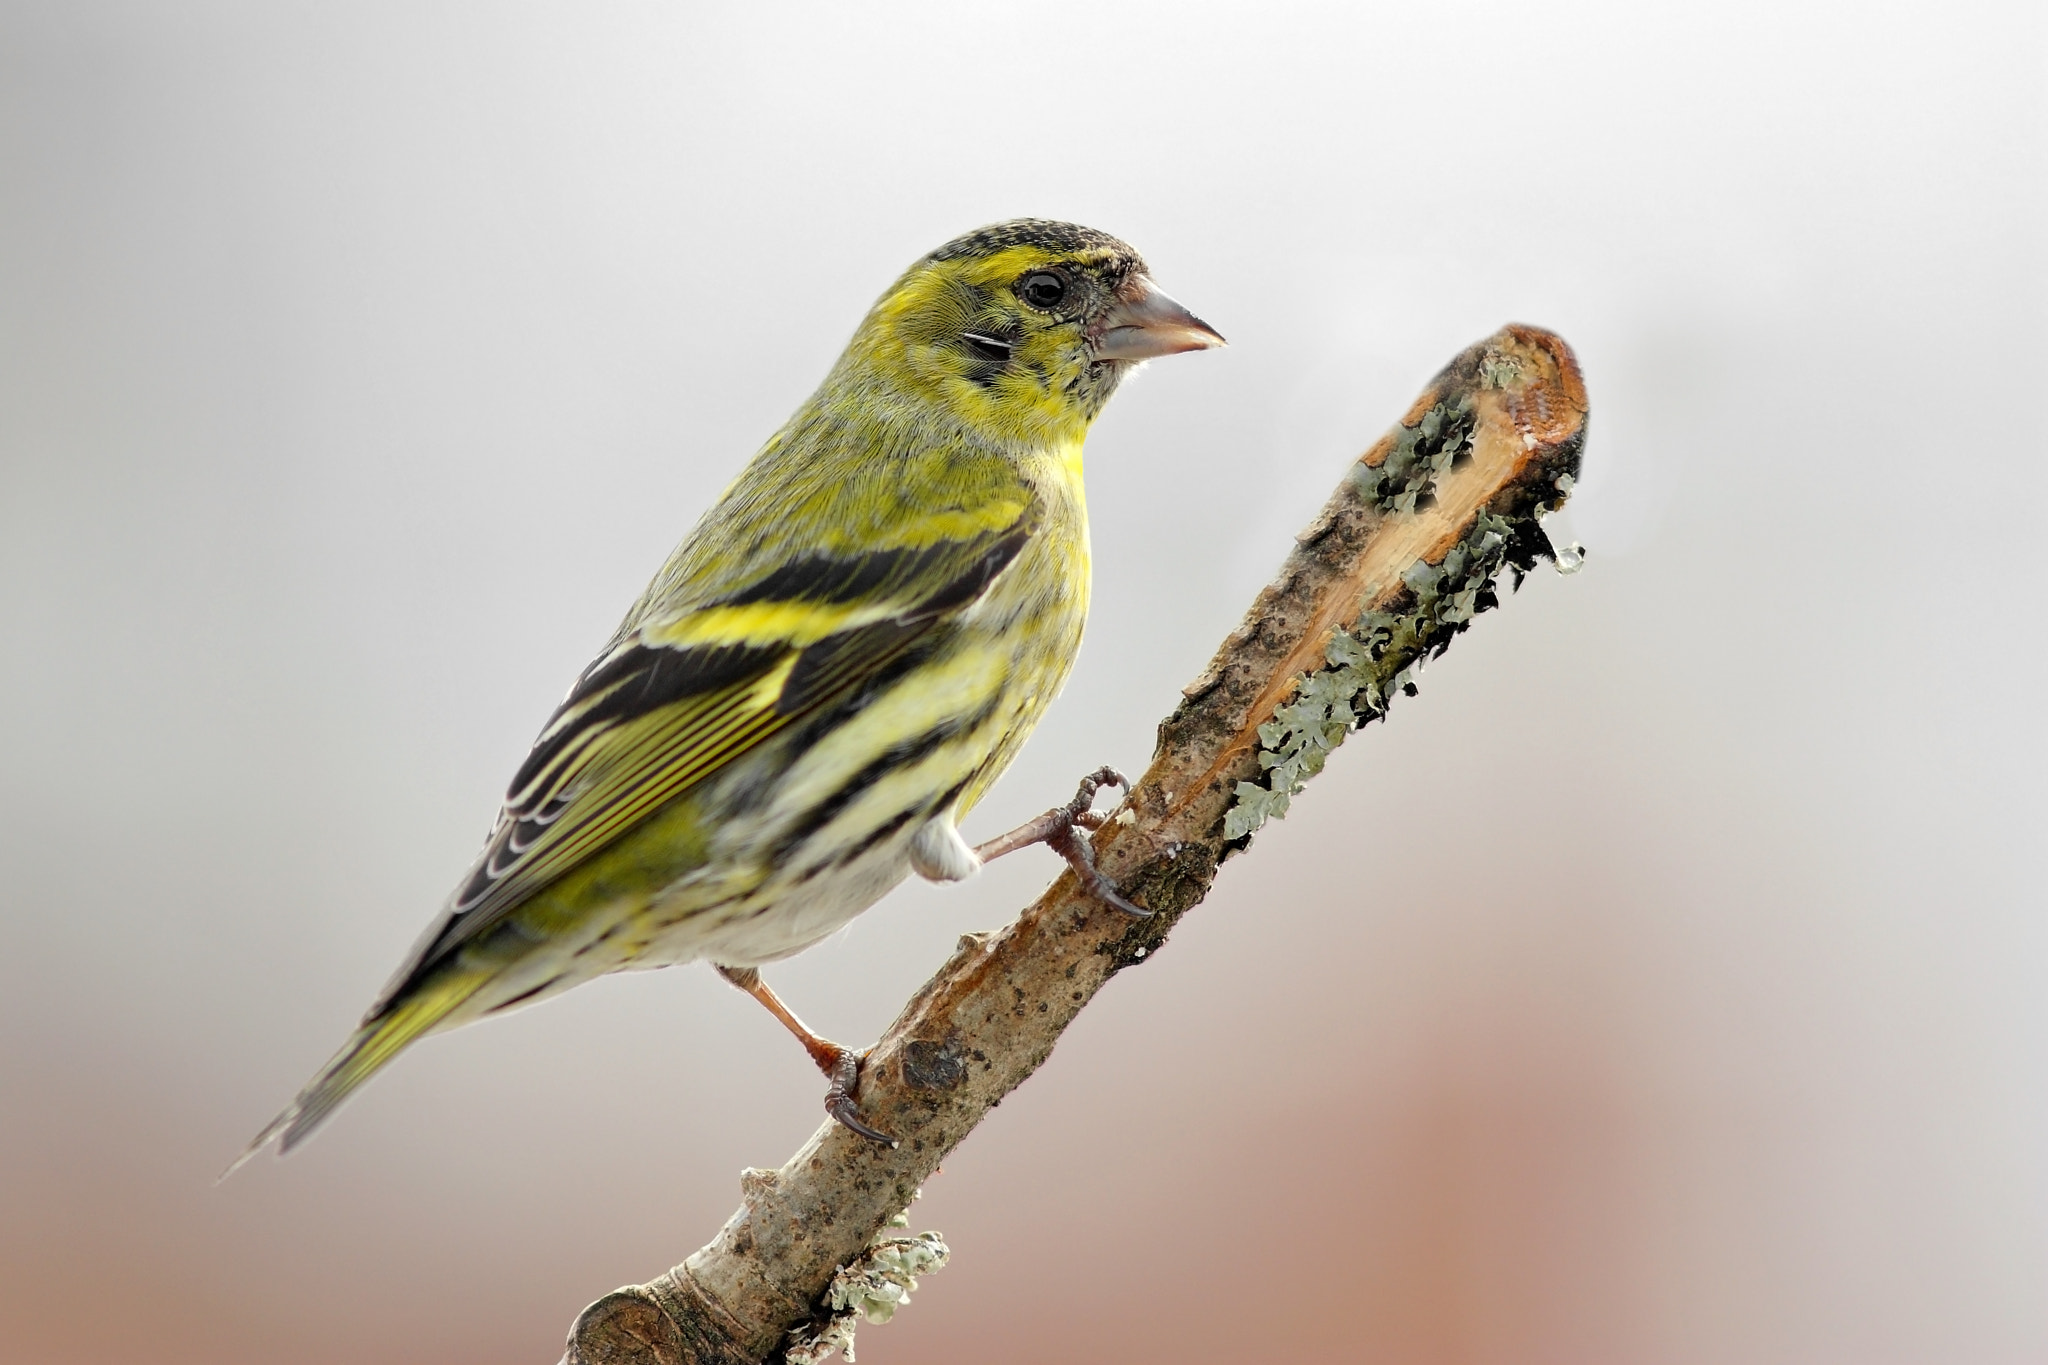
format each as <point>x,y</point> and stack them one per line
<point>1399,561</point>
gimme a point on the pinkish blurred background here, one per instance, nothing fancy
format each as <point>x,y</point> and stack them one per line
<point>1667,983</point>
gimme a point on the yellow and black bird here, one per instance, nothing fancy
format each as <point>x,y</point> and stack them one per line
<point>827,674</point>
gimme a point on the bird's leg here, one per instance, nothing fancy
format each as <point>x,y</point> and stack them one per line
<point>840,1065</point>
<point>1060,830</point>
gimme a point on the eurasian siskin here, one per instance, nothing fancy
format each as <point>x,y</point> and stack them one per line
<point>826,675</point>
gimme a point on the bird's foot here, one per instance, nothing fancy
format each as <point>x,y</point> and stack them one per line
<point>1072,845</point>
<point>1060,829</point>
<point>844,1074</point>
<point>840,1065</point>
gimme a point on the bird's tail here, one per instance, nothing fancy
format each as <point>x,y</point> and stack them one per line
<point>380,1038</point>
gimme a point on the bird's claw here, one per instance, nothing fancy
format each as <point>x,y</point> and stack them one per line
<point>1079,814</point>
<point>1056,830</point>
<point>844,1074</point>
<point>1080,810</point>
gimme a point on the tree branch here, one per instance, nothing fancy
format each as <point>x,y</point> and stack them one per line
<point>1401,558</point>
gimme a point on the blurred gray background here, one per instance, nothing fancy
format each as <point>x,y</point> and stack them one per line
<point>1664,984</point>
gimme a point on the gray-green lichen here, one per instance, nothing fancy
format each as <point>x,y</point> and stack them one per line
<point>1497,370</point>
<point>1376,658</point>
<point>1406,479</point>
<point>872,1288</point>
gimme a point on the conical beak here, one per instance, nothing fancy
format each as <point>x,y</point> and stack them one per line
<point>1145,323</point>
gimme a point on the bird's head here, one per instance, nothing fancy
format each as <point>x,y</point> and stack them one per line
<point>1020,330</point>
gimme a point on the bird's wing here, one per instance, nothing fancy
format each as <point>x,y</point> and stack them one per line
<point>680,696</point>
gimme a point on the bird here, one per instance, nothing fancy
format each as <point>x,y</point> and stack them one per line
<point>825,676</point>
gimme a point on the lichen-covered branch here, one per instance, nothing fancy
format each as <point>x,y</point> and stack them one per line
<point>1406,553</point>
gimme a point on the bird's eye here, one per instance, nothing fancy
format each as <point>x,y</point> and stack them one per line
<point>1043,289</point>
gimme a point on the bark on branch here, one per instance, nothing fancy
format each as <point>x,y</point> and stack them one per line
<point>1401,558</point>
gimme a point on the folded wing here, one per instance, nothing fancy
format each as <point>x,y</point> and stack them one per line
<point>681,696</point>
